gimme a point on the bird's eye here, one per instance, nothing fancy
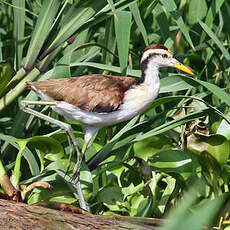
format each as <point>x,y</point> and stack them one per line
<point>164,55</point>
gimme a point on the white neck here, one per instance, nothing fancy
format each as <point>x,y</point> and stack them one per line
<point>139,97</point>
<point>151,74</point>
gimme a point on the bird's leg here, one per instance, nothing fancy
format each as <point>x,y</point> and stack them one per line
<point>71,138</point>
<point>78,164</point>
<point>89,133</point>
<point>70,154</point>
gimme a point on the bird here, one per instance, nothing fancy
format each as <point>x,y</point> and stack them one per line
<point>99,100</point>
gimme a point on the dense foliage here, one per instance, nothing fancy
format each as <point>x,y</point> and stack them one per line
<point>172,160</point>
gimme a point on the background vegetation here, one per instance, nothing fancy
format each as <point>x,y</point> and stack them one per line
<point>173,160</point>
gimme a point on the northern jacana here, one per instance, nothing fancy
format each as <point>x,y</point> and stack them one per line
<point>97,100</point>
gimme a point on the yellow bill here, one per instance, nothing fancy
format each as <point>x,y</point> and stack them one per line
<point>184,68</point>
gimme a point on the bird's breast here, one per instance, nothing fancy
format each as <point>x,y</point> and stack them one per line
<point>138,98</point>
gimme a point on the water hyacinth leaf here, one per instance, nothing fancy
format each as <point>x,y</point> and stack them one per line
<point>16,175</point>
<point>110,195</point>
<point>60,193</point>
<point>219,148</point>
<point>122,30</point>
<point>60,164</point>
<point>171,183</point>
<point>150,146</point>
<point>173,162</point>
<point>44,144</point>
<point>42,28</point>
<point>140,205</point>
<point>47,145</point>
<point>145,208</point>
<point>131,189</point>
<point>34,168</point>
<point>216,145</point>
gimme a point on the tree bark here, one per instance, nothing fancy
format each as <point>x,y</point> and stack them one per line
<point>20,216</point>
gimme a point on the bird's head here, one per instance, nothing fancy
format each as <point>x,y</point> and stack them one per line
<point>161,56</point>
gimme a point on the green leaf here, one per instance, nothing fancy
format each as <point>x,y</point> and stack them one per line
<point>47,145</point>
<point>224,129</point>
<point>75,18</point>
<point>171,183</point>
<point>7,72</point>
<point>145,208</point>
<point>110,195</point>
<point>19,27</point>
<point>60,193</point>
<point>170,6</point>
<point>34,168</point>
<point>16,175</point>
<point>46,17</point>
<point>122,29</point>
<point>216,145</point>
<point>175,84</point>
<point>212,13</point>
<point>219,43</point>
<point>170,125</point>
<point>137,17</point>
<point>173,161</point>
<point>131,189</point>
<point>219,148</point>
<point>150,146</point>
<point>219,92</point>
<point>199,217</point>
<point>44,144</point>
<point>194,15</point>
<point>115,69</point>
<point>162,20</point>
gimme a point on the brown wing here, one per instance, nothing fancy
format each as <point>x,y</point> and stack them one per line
<point>94,93</point>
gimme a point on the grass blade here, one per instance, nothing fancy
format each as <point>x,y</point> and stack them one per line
<point>219,43</point>
<point>219,92</point>
<point>19,27</point>
<point>45,19</point>
<point>137,17</point>
<point>122,30</point>
<point>170,6</point>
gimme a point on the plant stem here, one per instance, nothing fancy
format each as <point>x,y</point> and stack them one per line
<point>19,75</point>
<point>5,181</point>
<point>18,89</point>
